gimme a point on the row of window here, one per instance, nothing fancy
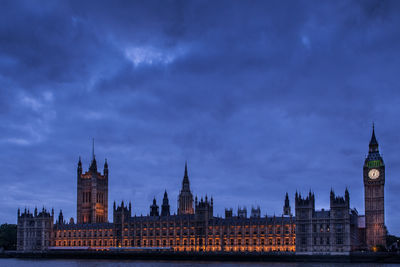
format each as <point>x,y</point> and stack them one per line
<point>189,224</point>
<point>83,233</point>
<point>240,242</point>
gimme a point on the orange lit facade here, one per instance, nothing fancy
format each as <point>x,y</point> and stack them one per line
<point>338,230</point>
<point>182,233</point>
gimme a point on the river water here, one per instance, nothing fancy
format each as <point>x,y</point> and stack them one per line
<point>124,263</point>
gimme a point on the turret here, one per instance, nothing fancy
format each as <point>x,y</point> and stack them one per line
<point>204,210</point>
<point>154,208</point>
<point>255,212</point>
<point>242,212</point>
<point>105,171</point>
<point>60,218</point>
<point>79,169</point>
<point>286,207</point>
<point>165,210</point>
<point>341,202</point>
<point>228,213</point>
<point>121,213</point>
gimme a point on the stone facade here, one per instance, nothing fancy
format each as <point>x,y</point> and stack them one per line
<point>34,231</point>
<point>189,232</point>
<point>331,231</point>
<point>195,228</point>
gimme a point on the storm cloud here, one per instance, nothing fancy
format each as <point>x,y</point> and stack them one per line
<point>260,97</point>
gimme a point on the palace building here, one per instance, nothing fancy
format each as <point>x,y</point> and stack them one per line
<point>338,230</point>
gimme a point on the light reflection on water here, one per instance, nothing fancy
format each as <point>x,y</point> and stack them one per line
<point>124,263</point>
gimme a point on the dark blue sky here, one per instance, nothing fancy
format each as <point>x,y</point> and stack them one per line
<point>260,97</point>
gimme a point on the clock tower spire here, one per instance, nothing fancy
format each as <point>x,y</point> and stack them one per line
<point>374,183</point>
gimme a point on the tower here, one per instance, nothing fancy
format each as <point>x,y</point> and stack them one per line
<point>286,207</point>
<point>374,183</point>
<point>92,193</point>
<point>185,199</point>
<point>304,210</point>
<point>165,205</point>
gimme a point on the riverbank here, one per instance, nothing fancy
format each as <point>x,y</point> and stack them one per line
<point>179,256</point>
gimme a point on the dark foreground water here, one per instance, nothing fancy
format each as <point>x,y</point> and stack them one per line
<point>124,263</point>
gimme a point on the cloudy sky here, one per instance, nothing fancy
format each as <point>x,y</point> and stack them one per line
<point>260,97</point>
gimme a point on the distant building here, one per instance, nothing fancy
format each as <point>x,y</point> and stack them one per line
<point>331,231</point>
<point>338,230</point>
<point>35,231</point>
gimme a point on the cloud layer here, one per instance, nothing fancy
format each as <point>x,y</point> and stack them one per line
<point>260,97</point>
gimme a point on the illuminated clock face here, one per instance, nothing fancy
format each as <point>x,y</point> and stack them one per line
<point>373,174</point>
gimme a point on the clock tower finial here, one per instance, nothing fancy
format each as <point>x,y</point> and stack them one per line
<point>373,143</point>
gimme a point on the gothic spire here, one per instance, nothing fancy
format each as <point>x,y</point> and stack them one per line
<point>93,165</point>
<point>373,138</point>
<point>93,149</point>
<point>79,169</point>
<point>373,143</point>
<point>185,182</point>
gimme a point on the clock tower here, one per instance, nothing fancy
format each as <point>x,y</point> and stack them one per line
<point>374,183</point>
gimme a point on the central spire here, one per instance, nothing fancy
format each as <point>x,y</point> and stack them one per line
<point>185,199</point>
<point>93,149</point>
<point>185,182</point>
<point>93,165</point>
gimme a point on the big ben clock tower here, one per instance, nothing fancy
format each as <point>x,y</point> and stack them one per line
<point>374,183</point>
